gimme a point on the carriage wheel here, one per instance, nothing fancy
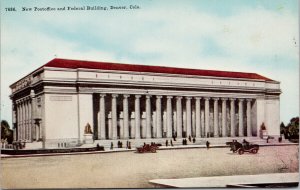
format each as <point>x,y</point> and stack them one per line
<point>254,151</point>
<point>153,150</point>
<point>241,151</point>
<point>140,150</point>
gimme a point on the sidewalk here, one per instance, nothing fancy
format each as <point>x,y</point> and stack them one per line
<point>274,179</point>
<point>107,150</point>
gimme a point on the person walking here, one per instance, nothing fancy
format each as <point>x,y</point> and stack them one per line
<point>171,143</point>
<point>167,142</point>
<point>111,145</point>
<point>207,144</point>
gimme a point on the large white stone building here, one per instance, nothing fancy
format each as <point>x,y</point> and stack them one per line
<point>54,103</point>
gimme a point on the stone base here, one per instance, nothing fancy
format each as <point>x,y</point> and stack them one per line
<point>264,134</point>
<point>88,139</point>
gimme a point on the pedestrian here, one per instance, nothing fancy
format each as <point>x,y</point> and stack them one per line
<point>207,144</point>
<point>129,145</point>
<point>171,143</point>
<point>111,145</point>
<point>167,142</point>
<point>174,137</point>
<point>268,139</point>
<point>194,140</point>
<point>182,141</point>
<point>121,144</point>
<point>190,139</point>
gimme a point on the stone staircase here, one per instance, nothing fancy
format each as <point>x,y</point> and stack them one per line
<point>199,141</point>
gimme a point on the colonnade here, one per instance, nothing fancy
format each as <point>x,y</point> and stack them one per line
<point>27,128</point>
<point>124,116</point>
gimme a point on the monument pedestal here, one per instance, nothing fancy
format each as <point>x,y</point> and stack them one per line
<point>88,139</point>
<point>264,134</point>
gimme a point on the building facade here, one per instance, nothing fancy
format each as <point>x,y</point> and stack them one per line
<point>56,103</point>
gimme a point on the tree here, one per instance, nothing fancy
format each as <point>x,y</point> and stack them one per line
<point>283,130</point>
<point>6,132</point>
<point>293,128</point>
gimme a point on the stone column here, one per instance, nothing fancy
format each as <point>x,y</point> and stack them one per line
<point>179,116</point>
<point>37,131</point>
<point>29,121</point>
<point>198,121</point>
<point>206,116</point>
<point>42,131</point>
<point>148,117</point>
<point>249,130</point>
<point>33,114</point>
<point>125,116</point>
<point>232,117</point>
<point>158,117</point>
<point>21,120</point>
<point>216,115</point>
<point>169,116</point>
<point>25,120</point>
<point>14,120</point>
<point>241,117</point>
<point>137,117</point>
<point>224,118</point>
<point>154,128</point>
<point>18,120</point>
<point>101,123</point>
<point>188,117</point>
<point>114,116</point>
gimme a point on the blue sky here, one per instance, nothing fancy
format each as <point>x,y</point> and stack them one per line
<point>258,36</point>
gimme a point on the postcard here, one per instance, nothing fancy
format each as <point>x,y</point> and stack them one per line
<point>149,94</point>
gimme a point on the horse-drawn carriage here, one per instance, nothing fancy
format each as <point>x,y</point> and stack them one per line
<point>147,148</point>
<point>243,147</point>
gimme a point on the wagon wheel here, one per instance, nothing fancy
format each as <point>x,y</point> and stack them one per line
<point>241,151</point>
<point>140,150</point>
<point>254,151</point>
<point>153,149</point>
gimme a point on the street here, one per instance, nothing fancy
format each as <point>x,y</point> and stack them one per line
<point>133,170</point>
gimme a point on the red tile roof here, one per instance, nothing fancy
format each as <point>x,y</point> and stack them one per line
<point>75,64</point>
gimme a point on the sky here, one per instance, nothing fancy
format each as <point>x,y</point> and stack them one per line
<point>257,36</point>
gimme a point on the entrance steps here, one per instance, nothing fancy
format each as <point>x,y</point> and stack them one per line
<point>178,142</point>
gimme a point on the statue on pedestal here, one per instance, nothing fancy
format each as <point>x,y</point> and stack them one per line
<point>88,129</point>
